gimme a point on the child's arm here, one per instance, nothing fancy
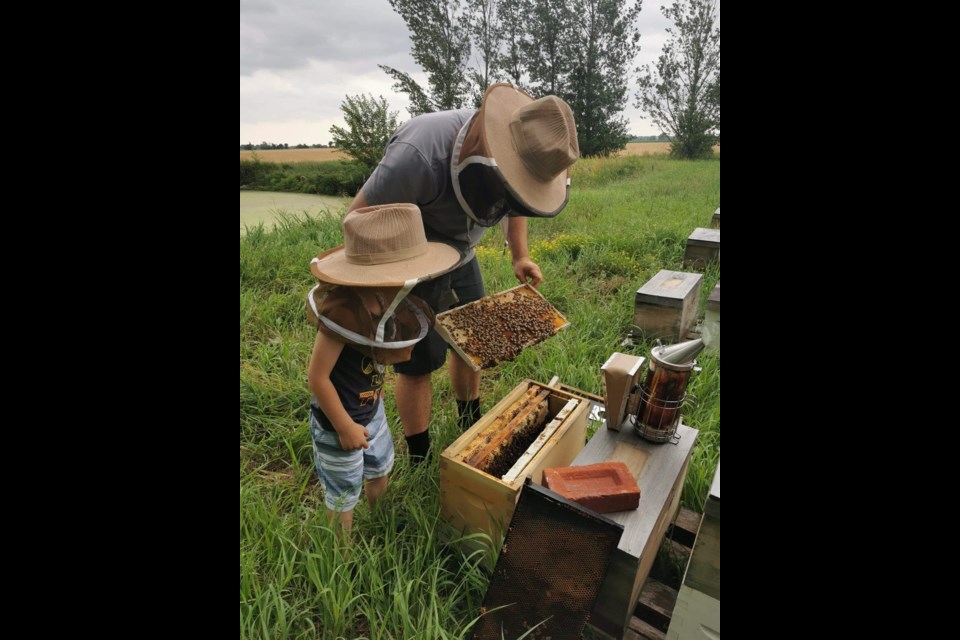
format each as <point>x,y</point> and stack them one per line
<point>324,357</point>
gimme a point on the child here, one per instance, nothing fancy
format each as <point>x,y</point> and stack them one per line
<point>365,320</point>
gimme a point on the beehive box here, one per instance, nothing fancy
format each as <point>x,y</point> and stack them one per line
<point>660,471</point>
<point>475,501</point>
<point>715,221</point>
<point>703,247</point>
<point>697,611</point>
<point>497,328</point>
<point>666,306</point>
<point>711,321</point>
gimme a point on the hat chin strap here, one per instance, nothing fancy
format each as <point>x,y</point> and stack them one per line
<point>404,290</point>
<point>358,339</point>
<point>456,168</point>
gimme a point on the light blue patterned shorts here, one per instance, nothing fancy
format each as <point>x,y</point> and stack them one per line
<point>342,472</point>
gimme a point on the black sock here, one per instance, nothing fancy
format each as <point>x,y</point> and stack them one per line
<point>468,412</point>
<point>419,446</point>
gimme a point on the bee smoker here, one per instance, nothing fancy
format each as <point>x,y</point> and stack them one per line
<point>654,406</point>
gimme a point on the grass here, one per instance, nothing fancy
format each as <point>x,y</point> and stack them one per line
<point>627,218</point>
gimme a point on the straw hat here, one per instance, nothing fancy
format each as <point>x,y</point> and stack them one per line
<point>384,246</point>
<point>533,143</point>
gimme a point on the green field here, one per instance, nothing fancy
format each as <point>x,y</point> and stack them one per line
<point>627,218</point>
<point>263,206</point>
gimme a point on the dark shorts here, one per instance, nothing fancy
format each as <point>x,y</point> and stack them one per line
<point>430,353</point>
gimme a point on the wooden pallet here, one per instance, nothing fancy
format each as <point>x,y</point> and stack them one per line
<point>654,609</point>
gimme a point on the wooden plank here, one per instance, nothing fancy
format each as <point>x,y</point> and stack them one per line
<point>684,528</point>
<point>537,444</point>
<point>660,470</point>
<point>644,630</point>
<point>562,448</point>
<point>656,603</point>
<point>580,392</point>
<point>688,521</point>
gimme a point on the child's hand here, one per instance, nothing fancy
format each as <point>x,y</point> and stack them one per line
<point>354,437</point>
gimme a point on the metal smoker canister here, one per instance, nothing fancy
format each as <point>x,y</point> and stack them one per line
<point>664,390</point>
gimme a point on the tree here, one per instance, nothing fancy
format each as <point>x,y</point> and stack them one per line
<point>370,126</point>
<point>440,34</point>
<point>513,21</point>
<point>604,41</point>
<point>486,33</point>
<point>713,95</point>
<point>547,46</point>
<point>682,94</point>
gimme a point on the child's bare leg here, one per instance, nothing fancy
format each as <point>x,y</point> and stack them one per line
<point>374,488</point>
<point>345,522</point>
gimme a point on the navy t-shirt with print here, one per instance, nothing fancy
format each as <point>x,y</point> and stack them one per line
<point>358,380</point>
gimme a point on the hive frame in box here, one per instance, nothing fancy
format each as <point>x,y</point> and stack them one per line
<point>473,501</point>
<point>559,322</point>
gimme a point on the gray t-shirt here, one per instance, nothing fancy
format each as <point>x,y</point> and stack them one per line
<point>416,168</point>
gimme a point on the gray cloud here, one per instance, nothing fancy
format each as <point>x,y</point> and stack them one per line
<point>299,58</point>
<point>286,34</point>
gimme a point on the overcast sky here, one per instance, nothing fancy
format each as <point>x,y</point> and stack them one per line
<point>299,58</point>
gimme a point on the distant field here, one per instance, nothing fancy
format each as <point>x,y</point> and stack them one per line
<point>296,155</point>
<point>263,206</point>
<point>322,155</point>
<point>650,148</point>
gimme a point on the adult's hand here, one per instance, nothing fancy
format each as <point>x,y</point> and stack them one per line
<point>525,268</point>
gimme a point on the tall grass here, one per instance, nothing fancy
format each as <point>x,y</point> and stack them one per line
<point>627,218</point>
